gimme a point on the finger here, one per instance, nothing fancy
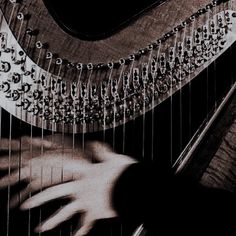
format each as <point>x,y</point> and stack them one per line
<point>17,198</point>
<point>13,178</point>
<point>86,225</point>
<point>6,162</point>
<point>22,144</point>
<point>47,181</point>
<point>101,151</point>
<point>50,194</point>
<point>6,144</point>
<point>47,144</point>
<point>62,215</point>
<point>25,142</point>
<point>33,187</point>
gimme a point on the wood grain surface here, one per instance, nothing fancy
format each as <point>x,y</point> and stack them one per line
<point>221,172</point>
<point>138,34</point>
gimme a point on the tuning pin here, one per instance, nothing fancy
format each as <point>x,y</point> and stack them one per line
<point>114,88</point>
<point>110,65</point>
<point>31,32</point>
<point>63,89</point>
<point>26,104</point>
<point>122,61</point>
<point>3,41</point>
<point>37,94</point>
<point>162,87</point>
<point>70,65</point>
<point>20,16</point>
<point>79,66</point>
<point>90,66</point>
<point>16,78</point>
<point>41,45</point>
<point>162,63</point>
<point>25,87</point>
<point>144,72</point>
<point>49,55</point>
<point>73,90</point>
<point>15,95</point>
<point>5,66</point>
<point>5,87</point>
<point>136,82</point>
<point>14,1</point>
<point>59,61</point>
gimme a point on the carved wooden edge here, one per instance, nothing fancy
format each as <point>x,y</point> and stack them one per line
<point>144,30</point>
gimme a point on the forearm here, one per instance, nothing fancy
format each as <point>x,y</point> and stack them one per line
<point>146,194</point>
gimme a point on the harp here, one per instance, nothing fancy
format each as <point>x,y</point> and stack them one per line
<point>151,87</point>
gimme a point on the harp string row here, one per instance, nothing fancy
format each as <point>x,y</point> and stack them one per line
<point>73,97</point>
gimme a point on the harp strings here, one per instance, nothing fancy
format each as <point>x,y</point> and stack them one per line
<point>171,104</point>
<point>154,118</point>
<point>192,30</point>
<point>145,80</point>
<point>9,148</point>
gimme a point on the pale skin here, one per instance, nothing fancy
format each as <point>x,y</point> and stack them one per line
<point>62,172</point>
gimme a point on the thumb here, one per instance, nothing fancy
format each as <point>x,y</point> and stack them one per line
<point>102,152</point>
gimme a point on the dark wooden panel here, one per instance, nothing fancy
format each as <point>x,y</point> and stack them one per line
<point>146,29</point>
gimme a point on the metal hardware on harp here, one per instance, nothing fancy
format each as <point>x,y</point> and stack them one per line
<point>178,63</point>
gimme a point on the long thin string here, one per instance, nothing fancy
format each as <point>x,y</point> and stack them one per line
<point>74,104</point>
<point>124,113</point>
<point>144,104</point>
<point>1,107</point>
<point>12,13</point>
<point>171,106</point>
<point>129,74</point>
<point>54,124</point>
<point>9,173</point>
<point>31,128</point>
<point>77,84</point>
<point>154,119</point>
<point>42,133</point>
<point>0,128</point>
<point>190,81</point>
<point>181,99</point>
<point>20,29</point>
<point>230,6</point>
<point>10,151</point>
<point>31,154</point>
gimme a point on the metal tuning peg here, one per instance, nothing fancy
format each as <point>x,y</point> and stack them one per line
<point>5,87</point>
<point>14,1</point>
<point>25,87</point>
<point>73,90</point>
<point>162,63</point>
<point>3,41</point>
<point>15,78</point>
<point>114,89</point>
<point>144,73</point>
<point>136,78</point>
<point>5,66</point>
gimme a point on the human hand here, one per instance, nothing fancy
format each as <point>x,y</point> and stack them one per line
<point>27,162</point>
<point>89,190</point>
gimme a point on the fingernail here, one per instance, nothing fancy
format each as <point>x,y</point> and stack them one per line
<point>42,228</point>
<point>38,229</point>
<point>25,206</point>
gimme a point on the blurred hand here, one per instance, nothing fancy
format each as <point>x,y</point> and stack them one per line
<point>39,162</point>
<point>89,189</point>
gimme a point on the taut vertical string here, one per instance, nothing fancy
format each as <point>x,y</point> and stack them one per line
<point>9,173</point>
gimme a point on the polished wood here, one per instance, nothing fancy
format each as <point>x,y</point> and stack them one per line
<point>152,25</point>
<point>221,172</point>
